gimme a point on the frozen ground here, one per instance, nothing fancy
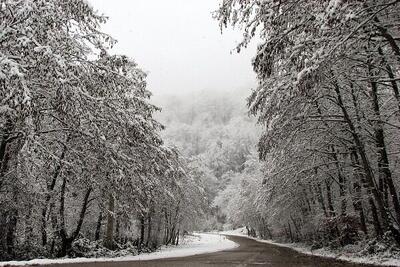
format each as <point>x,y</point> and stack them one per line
<point>197,243</point>
<point>384,260</point>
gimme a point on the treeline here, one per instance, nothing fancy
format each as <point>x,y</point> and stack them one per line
<point>213,131</point>
<point>82,163</point>
<point>328,99</point>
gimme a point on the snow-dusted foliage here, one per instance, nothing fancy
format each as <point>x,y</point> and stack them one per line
<point>328,100</point>
<point>80,152</point>
<point>216,136</point>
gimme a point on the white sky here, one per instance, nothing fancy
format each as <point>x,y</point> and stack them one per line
<point>179,44</point>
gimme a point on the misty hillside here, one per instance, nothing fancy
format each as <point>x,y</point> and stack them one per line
<point>195,122</point>
<point>214,131</point>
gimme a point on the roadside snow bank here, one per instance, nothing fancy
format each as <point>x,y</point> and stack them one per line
<point>238,232</point>
<point>383,260</point>
<point>198,243</point>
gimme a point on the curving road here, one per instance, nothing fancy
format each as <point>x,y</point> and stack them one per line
<point>249,253</point>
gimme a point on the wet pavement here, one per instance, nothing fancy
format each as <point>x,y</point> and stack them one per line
<point>249,253</point>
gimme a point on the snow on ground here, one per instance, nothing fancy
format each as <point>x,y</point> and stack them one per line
<point>305,249</point>
<point>237,232</point>
<point>198,243</point>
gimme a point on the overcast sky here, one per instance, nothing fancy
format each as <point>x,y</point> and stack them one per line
<point>179,44</point>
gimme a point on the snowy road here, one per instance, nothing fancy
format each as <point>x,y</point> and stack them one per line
<point>250,253</point>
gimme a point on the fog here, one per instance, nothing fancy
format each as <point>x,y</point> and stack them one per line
<point>178,44</point>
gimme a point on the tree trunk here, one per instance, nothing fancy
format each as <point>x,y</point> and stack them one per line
<point>177,238</point>
<point>82,213</point>
<point>6,139</point>
<point>290,232</point>
<point>321,199</point>
<point>383,161</point>
<point>54,225</point>
<point>178,232</point>
<point>28,226</point>
<point>391,76</point>
<point>98,226</point>
<point>148,229</point>
<point>109,240</point>
<point>357,199</point>
<point>341,180</point>
<point>11,228</point>
<point>117,234</point>
<point>331,209</point>
<point>387,223</point>
<point>5,159</point>
<point>62,228</point>
<point>392,42</point>
<point>142,230</point>
<point>375,218</point>
<point>50,188</point>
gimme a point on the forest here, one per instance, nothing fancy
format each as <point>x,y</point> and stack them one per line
<point>92,165</point>
<point>328,103</point>
<point>218,139</point>
<point>83,167</point>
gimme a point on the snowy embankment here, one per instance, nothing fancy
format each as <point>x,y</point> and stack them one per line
<point>383,260</point>
<point>198,243</point>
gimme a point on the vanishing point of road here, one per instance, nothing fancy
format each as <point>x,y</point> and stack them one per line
<point>249,253</point>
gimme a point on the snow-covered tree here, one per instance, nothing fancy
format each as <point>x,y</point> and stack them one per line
<point>328,101</point>
<point>78,142</point>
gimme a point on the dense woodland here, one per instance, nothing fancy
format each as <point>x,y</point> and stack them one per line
<point>328,103</point>
<point>83,168</point>
<point>213,131</point>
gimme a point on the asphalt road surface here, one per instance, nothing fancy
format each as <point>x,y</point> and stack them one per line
<point>249,253</point>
